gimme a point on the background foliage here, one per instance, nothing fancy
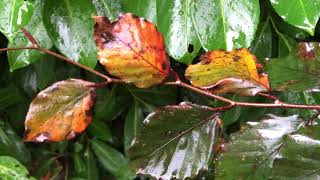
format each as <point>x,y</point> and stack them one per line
<point>270,29</point>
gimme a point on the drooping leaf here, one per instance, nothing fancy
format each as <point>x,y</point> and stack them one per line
<point>228,72</point>
<point>132,49</point>
<point>176,25</point>
<point>142,8</point>
<point>108,8</point>
<point>19,59</point>
<point>14,15</point>
<point>251,152</point>
<point>175,142</point>
<point>300,13</point>
<point>60,111</point>
<point>11,169</point>
<point>225,24</point>
<point>69,25</point>
<point>298,71</point>
<point>299,156</point>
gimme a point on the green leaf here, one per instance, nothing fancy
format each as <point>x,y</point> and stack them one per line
<point>92,170</point>
<point>112,160</point>
<point>303,14</point>
<point>45,70</point>
<point>251,151</point>
<point>142,8</point>
<point>19,59</point>
<point>100,130</point>
<point>70,27</point>
<point>14,14</point>
<point>11,169</point>
<point>181,40</point>
<point>176,142</point>
<point>225,24</point>
<point>298,71</point>
<point>108,8</point>
<point>9,96</point>
<point>299,157</point>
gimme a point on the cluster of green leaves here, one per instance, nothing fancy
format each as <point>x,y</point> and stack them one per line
<point>174,141</point>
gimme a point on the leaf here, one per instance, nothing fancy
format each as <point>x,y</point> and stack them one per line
<point>14,14</point>
<point>298,71</point>
<point>228,72</point>
<point>132,49</point>
<point>175,142</point>
<point>92,170</point>
<point>142,8</point>
<point>9,96</point>
<point>100,130</point>
<point>69,25</point>
<point>300,13</point>
<point>299,156</point>
<point>176,25</point>
<point>11,169</point>
<point>250,153</point>
<point>60,111</point>
<point>19,59</point>
<point>225,24</point>
<point>108,8</point>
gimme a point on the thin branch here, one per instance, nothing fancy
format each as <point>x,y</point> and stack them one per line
<point>30,37</point>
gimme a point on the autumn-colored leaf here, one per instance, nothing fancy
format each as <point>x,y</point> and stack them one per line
<point>60,112</point>
<point>228,72</point>
<point>132,49</point>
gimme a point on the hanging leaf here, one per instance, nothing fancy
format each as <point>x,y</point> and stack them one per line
<point>60,111</point>
<point>132,49</point>
<point>225,24</point>
<point>108,8</point>
<point>176,25</point>
<point>14,15</point>
<point>69,25</point>
<point>298,71</point>
<point>228,72</point>
<point>303,14</point>
<point>175,142</point>
<point>143,8</point>
<point>251,152</point>
<point>10,168</point>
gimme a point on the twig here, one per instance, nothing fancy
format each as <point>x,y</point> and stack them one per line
<point>30,37</point>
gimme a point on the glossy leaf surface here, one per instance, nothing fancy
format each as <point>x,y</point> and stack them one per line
<point>70,27</point>
<point>14,14</point>
<point>175,23</point>
<point>175,142</point>
<point>250,153</point>
<point>228,72</point>
<point>60,111</point>
<point>108,8</point>
<point>143,8</point>
<point>298,71</point>
<point>300,13</point>
<point>225,24</point>
<point>19,59</point>
<point>132,49</point>
<point>11,169</point>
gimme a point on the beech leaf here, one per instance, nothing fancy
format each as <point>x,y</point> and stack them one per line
<point>228,72</point>
<point>60,111</point>
<point>132,49</point>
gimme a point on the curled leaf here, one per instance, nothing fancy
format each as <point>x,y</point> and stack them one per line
<point>60,112</point>
<point>228,72</point>
<point>132,49</point>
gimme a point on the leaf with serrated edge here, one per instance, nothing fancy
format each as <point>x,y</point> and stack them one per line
<point>132,49</point>
<point>228,72</point>
<point>60,111</point>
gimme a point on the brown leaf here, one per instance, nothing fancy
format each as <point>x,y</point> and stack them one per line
<point>132,49</point>
<point>60,111</point>
<point>228,72</point>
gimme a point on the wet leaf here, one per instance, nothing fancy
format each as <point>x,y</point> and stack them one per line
<point>142,8</point>
<point>14,14</point>
<point>298,71</point>
<point>69,25</point>
<point>60,111</point>
<point>11,169</point>
<point>225,24</point>
<point>228,72</point>
<point>175,142</point>
<point>19,59</point>
<point>250,153</point>
<point>108,8</point>
<point>176,25</point>
<point>132,49</point>
<point>300,13</point>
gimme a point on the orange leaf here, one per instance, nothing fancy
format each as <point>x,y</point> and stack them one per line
<point>60,111</point>
<point>228,72</point>
<point>132,49</point>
